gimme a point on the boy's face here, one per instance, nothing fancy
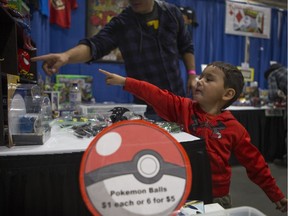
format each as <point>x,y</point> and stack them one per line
<point>142,6</point>
<point>210,87</point>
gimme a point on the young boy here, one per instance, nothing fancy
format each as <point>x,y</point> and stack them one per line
<point>218,87</point>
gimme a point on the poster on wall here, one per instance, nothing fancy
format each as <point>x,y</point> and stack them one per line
<point>99,13</point>
<point>248,73</point>
<point>247,20</point>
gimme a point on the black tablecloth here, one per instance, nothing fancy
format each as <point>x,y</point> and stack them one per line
<point>41,185</point>
<point>267,132</point>
<point>49,184</point>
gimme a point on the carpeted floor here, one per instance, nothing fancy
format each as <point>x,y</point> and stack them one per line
<point>246,193</point>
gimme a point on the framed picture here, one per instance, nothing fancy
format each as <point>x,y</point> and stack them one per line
<point>248,73</point>
<point>99,13</point>
<point>247,20</point>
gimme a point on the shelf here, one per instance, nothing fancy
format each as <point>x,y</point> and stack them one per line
<point>8,43</point>
<point>11,39</point>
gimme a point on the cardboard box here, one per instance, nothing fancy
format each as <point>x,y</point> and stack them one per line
<point>54,97</point>
<point>84,82</point>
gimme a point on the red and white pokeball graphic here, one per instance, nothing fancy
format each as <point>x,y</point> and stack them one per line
<point>134,168</point>
<point>23,61</point>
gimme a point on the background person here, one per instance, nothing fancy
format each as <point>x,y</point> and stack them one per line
<point>151,36</point>
<point>276,75</point>
<point>219,85</point>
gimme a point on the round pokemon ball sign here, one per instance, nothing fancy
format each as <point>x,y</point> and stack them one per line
<point>134,168</point>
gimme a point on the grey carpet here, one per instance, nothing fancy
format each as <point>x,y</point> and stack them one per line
<point>246,193</point>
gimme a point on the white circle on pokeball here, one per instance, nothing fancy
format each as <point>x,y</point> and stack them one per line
<point>148,166</point>
<point>108,144</point>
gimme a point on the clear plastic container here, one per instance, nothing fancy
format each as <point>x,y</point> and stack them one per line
<point>104,108</point>
<point>238,211</point>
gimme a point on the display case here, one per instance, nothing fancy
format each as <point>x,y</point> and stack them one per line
<point>11,40</point>
<point>29,114</point>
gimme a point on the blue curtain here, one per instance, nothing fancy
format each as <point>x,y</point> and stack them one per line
<point>211,44</point>
<point>262,51</point>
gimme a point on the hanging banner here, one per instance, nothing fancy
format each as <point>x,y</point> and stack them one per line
<point>134,168</point>
<point>247,20</point>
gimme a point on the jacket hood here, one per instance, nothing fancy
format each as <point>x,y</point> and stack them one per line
<point>225,115</point>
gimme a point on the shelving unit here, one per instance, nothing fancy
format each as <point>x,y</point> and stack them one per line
<point>11,40</point>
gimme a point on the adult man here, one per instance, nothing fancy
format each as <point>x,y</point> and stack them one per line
<point>151,36</point>
<point>276,75</point>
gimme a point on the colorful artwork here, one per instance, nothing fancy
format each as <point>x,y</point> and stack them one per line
<point>247,20</point>
<point>99,13</point>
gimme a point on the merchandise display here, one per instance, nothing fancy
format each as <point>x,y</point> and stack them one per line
<point>24,63</point>
<point>54,97</point>
<point>89,125</point>
<point>16,48</point>
<point>29,115</point>
<point>64,82</point>
<point>253,96</point>
<point>93,108</point>
<point>192,208</point>
<point>74,96</point>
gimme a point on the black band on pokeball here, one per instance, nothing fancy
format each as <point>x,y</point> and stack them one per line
<point>130,167</point>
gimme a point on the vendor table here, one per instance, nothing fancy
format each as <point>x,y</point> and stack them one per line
<point>44,179</point>
<point>267,128</point>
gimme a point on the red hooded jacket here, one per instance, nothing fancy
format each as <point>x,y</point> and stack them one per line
<point>223,134</point>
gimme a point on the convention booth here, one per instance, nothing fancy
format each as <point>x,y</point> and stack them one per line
<point>44,178</point>
<point>49,142</point>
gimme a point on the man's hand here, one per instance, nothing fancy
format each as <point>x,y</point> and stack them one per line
<point>52,62</point>
<point>113,79</point>
<point>191,84</point>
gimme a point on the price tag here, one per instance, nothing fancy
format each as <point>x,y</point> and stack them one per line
<point>134,168</point>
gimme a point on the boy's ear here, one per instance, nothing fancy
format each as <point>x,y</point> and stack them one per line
<point>229,94</point>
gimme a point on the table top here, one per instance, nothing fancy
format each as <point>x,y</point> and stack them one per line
<point>232,108</point>
<point>62,140</point>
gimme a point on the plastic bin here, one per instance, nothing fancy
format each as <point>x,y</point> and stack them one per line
<point>239,211</point>
<point>104,108</point>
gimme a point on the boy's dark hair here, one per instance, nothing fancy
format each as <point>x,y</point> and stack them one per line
<point>233,79</point>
